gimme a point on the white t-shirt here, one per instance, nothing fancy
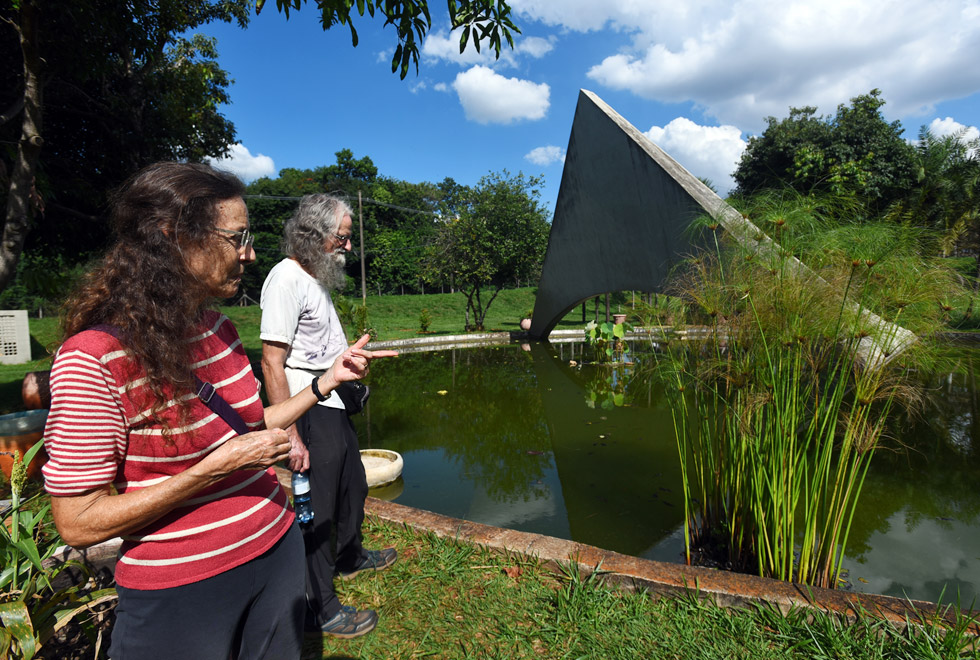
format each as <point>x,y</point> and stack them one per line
<point>298,312</point>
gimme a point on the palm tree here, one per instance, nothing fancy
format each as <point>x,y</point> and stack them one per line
<point>948,181</point>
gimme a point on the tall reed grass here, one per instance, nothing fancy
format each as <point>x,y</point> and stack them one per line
<point>782,384</point>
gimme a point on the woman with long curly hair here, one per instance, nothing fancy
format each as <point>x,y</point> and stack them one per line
<point>211,564</point>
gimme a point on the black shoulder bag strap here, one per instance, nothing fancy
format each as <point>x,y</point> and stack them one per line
<point>205,391</point>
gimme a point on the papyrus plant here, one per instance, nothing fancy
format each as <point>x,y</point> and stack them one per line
<point>777,407</point>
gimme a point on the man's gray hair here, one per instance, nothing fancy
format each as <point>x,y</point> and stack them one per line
<point>317,218</point>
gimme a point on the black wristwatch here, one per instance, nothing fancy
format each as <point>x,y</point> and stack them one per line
<point>315,386</point>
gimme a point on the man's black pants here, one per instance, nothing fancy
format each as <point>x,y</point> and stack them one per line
<point>338,488</point>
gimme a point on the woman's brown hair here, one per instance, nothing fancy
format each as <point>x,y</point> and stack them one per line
<point>143,286</point>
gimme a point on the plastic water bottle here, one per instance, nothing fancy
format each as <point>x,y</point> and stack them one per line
<point>301,498</point>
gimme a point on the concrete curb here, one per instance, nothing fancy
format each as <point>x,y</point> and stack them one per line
<point>725,588</point>
<point>436,342</point>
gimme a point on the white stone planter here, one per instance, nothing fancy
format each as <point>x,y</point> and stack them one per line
<point>382,466</point>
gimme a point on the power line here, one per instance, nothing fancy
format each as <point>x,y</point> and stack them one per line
<point>370,251</point>
<point>347,198</point>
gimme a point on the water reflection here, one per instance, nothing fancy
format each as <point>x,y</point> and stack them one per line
<point>917,528</point>
<point>507,437</point>
<point>618,465</point>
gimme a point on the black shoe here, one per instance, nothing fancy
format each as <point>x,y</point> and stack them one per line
<point>347,623</point>
<point>376,560</point>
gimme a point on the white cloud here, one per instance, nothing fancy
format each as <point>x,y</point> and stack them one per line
<point>445,46</point>
<point>545,156</point>
<point>489,98</point>
<point>441,87</point>
<point>243,164</point>
<point>942,127</point>
<point>709,152</point>
<point>578,15</point>
<point>534,46</point>
<point>745,60</point>
<point>893,563</point>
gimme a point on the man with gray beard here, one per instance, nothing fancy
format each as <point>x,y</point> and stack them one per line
<point>301,337</point>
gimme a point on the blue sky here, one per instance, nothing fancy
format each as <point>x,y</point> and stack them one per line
<point>698,77</point>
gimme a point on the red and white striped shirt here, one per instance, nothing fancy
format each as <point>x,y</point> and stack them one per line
<point>99,432</point>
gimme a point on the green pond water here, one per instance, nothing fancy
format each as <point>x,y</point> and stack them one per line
<point>519,438</point>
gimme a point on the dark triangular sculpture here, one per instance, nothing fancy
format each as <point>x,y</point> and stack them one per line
<point>622,215</point>
<point>622,218</point>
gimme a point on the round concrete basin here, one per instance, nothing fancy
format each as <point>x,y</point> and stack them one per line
<point>382,466</point>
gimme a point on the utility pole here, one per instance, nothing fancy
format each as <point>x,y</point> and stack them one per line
<point>360,222</point>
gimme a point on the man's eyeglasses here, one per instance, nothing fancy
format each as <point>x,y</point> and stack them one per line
<point>243,239</point>
<point>343,239</point>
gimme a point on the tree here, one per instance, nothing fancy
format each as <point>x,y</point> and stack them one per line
<point>398,219</point>
<point>946,196</point>
<point>497,240</point>
<point>347,171</point>
<point>947,182</point>
<point>480,19</point>
<point>118,87</point>
<point>855,153</point>
<point>399,224</point>
<point>394,263</point>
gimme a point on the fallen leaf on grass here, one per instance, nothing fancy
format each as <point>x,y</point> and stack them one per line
<point>513,571</point>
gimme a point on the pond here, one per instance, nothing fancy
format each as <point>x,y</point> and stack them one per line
<point>519,438</point>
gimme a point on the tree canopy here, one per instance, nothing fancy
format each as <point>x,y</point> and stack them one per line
<point>497,239</point>
<point>418,237</point>
<point>946,194</point>
<point>95,89</point>
<point>856,152</point>
<point>103,89</point>
<point>397,217</point>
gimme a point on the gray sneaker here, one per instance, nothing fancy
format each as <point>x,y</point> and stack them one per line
<point>376,560</point>
<point>347,623</point>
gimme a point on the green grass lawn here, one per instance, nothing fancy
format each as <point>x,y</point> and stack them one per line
<point>449,599</point>
<point>397,317</point>
<point>44,339</point>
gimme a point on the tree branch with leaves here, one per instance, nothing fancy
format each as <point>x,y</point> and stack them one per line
<point>480,20</point>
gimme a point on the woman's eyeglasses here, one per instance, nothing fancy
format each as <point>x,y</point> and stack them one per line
<point>243,239</point>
